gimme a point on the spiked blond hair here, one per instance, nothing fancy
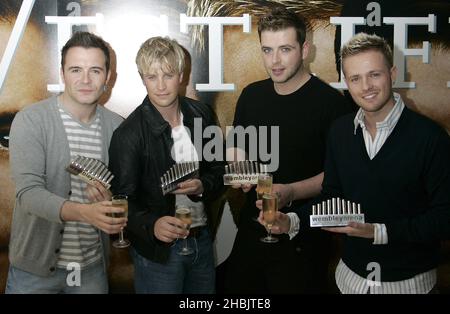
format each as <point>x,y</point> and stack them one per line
<point>161,50</point>
<point>363,42</point>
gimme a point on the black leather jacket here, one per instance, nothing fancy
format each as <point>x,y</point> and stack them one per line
<point>139,155</point>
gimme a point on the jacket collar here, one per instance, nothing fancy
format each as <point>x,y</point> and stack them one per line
<point>157,123</point>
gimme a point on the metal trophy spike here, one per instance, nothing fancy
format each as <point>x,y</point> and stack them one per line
<point>179,172</point>
<point>335,213</point>
<point>243,172</point>
<point>90,170</point>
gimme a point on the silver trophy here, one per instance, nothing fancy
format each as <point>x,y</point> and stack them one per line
<point>179,172</point>
<point>90,170</point>
<point>243,172</point>
<point>335,213</point>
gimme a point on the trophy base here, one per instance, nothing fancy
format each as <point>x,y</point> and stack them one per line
<point>172,186</point>
<point>339,220</point>
<point>231,179</point>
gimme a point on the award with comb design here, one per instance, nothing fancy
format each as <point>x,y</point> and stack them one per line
<point>243,172</point>
<point>90,170</point>
<point>335,213</point>
<point>179,172</point>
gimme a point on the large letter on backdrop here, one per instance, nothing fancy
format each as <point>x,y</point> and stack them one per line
<point>215,37</point>
<point>400,39</point>
<point>14,39</point>
<point>401,44</point>
<point>347,31</point>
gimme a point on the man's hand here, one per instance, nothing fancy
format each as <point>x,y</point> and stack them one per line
<point>245,187</point>
<point>190,187</point>
<point>281,225</point>
<point>284,192</point>
<point>96,192</point>
<point>101,215</point>
<point>168,228</point>
<point>355,229</point>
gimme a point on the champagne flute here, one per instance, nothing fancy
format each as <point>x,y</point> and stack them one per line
<point>120,201</point>
<point>264,186</point>
<point>270,208</point>
<point>184,213</point>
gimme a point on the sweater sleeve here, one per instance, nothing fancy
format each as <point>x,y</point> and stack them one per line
<point>27,153</point>
<point>434,223</point>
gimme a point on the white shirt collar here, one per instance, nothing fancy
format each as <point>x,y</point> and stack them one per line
<point>389,122</point>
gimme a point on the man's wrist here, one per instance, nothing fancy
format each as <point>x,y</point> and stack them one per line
<point>380,236</point>
<point>290,195</point>
<point>294,225</point>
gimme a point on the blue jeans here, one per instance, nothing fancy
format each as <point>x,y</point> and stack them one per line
<point>193,273</point>
<point>93,280</point>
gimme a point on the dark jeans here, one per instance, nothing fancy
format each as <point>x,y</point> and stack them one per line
<point>193,273</point>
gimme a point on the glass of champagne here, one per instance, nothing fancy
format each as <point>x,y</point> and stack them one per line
<point>120,201</point>
<point>264,186</point>
<point>184,213</point>
<point>270,208</point>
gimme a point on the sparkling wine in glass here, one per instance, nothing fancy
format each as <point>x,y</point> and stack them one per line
<point>120,201</point>
<point>270,208</point>
<point>184,213</point>
<point>264,186</point>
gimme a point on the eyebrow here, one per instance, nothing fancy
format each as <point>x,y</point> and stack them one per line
<point>365,73</point>
<point>287,46</point>
<point>282,46</point>
<point>97,68</point>
<point>91,68</point>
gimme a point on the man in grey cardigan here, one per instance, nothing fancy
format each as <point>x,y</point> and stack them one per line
<point>59,235</point>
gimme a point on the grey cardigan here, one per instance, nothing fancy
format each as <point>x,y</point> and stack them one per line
<point>39,153</point>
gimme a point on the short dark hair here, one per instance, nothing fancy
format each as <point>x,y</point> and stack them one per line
<point>86,40</point>
<point>281,18</point>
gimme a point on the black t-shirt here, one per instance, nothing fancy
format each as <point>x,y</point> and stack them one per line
<point>303,117</point>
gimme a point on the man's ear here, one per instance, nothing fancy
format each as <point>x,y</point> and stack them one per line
<point>108,77</point>
<point>305,50</point>
<point>181,77</point>
<point>61,73</point>
<point>142,78</point>
<point>393,72</point>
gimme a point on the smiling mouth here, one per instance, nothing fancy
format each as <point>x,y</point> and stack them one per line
<point>369,96</point>
<point>277,71</point>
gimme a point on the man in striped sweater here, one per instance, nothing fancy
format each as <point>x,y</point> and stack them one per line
<point>59,235</point>
<point>395,163</point>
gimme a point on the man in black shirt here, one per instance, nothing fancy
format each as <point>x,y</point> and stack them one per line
<point>303,107</point>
